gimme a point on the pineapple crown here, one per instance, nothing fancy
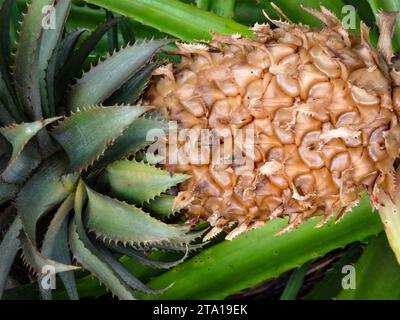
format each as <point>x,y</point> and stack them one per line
<point>61,147</point>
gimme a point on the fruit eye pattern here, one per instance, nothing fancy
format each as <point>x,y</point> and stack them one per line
<point>323,110</point>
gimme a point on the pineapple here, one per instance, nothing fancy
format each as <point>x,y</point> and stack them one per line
<point>323,106</point>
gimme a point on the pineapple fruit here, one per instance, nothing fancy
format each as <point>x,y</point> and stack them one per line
<point>323,106</point>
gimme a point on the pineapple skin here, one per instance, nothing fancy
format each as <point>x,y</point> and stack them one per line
<point>323,105</point>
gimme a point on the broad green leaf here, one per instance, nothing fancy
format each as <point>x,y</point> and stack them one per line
<point>8,250</point>
<point>26,66</point>
<point>8,103</point>
<point>109,75</point>
<point>5,116</point>
<point>377,273</point>
<point>138,182</point>
<point>117,221</point>
<point>134,138</point>
<point>55,246</point>
<point>258,255</point>
<point>87,134</point>
<point>20,134</point>
<point>174,17</point>
<point>42,193</point>
<point>87,254</point>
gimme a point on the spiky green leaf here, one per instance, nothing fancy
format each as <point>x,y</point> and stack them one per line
<point>41,193</point>
<point>55,246</point>
<point>20,134</point>
<point>87,134</point>
<point>8,250</point>
<point>26,66</point>
<point>88,256</point>
<point>118,221</point>
<point>134,138</point>
<point>109,75</point>
<point>138,182</point>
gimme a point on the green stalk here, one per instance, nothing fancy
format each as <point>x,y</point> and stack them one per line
<point>179,19</point>
<point>253,257</point>
<point>224,8</point>
<point>377,273</point>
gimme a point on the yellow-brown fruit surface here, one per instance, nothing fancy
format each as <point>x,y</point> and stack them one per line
<point>323,110</point>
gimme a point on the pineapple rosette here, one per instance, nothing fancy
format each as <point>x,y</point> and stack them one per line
<point>323,106</point>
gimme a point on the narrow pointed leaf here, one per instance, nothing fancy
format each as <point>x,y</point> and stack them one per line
<point>6,9</point>
<point>49,42</point>
<point>118,221</point>
<point>145,259</point>
<point>20,134</point>
<point>26,66</point>
<point>109,75</point>
<point>138,182</point>
<point>134,88</point>
<point>134,138</point>
<point>127,276</point>
<point>88,256</point>
<point>8,250</point>
<point>162,206</point>
<point>23,166</point>
<point>55,246</point>
<point>87,134</point>
<point>41,193</point>
<point>72,68</point>
<point>37,261</point>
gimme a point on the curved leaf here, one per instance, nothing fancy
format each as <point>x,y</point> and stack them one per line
<point>120,222</point>
<point>7,191</point>
<point>87,254</point>
<point>55,246</point>
<point>138,182</point>
<point>8,250</point>
<point>132,140</point>
<point>41,193</point>
<point>109,75</point>
<point>49,42</point>
<point>26,66</point>
<point>37,261</point>
<point>20,134</point>
<point>87,134</point>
